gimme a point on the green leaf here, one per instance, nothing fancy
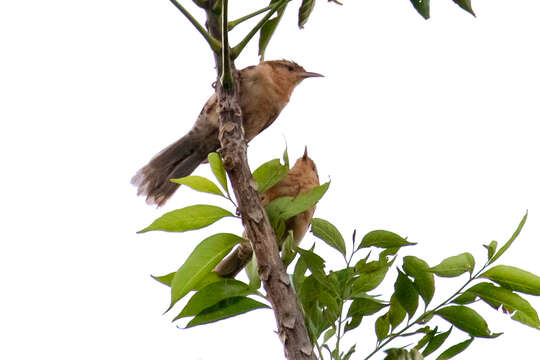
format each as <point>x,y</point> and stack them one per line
<point>208,279</point>
<point>253,274</point>
<point>397,313</point>
<point>199,183</point>
<point>288,250</point>
<point>286,207</point>
<point>269,28</point>
<point>455,350</point>
<point>327,335</point>
<point>201,262</point>
<point>427,338</point>
<point>465,5</point>
<point>269,174</point>
<point>491,248</point>
<point>383,239</point>
<point>370,275</point>
<point>299,273</point>
<point>455,265</point>
<point>510,241</point>
<point>406,293</point>
<point>382,327</point>
<point>327,232</point>
<point>424,282</point>
<point>436,342</point>
<point>219,171</point>
<point>349,353</point>
<point>514,278</point>
<point>189,218</point>
<point>422,6</point>
<point>304,12</point>
<point>354,323</point>
<point>466,319</point>
<point>512,303</point>
<point>365,306</point>
<point>212,294</point>
<point>226,309</point>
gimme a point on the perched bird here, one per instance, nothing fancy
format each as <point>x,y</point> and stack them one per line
<point>301,179</point>
<point>265,89</point>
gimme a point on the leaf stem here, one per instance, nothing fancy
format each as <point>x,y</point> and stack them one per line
<point>242,44</point>
<point>234,23</point>
<point>227,80</point>
<point>421,317</point>
<point>213,42</point>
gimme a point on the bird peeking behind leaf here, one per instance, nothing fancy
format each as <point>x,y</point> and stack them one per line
<point>300,179</point>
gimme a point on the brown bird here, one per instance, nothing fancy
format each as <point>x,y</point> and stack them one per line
<point>265,89</point>
<point>301,179</point>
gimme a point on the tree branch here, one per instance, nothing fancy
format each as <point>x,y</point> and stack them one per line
<point>290,321</point>
<point>242,44</point>
<point>238,21</point>
<point>212,41</point>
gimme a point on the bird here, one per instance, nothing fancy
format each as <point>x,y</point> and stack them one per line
<point>264,90</point>
<point>300,179</point>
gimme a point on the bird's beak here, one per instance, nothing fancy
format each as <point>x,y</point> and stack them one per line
<point>305,154</point>
<point>307,74</point>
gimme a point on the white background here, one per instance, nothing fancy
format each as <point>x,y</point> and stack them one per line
<point>426,128</point>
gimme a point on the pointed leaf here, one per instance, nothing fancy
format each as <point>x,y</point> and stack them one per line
<point>406,293</point>
<point>305,10</point>
<point>208,279</point>
<point>199,183</point>
<point>212,294</point>
<point>511,303</point>
<point>201,262</point>
<point>253,274</point>
<point>455,266</point>
<point>299,273</point>
<point>219,171</point>
<point>226,309</point>
<point>370,276</point>
<point>466,319</point>
<point>269,174</point>
<point>327,232</point>
<point>286,207</point>
<point>511,240</point>
<point>382,327</point>
<point>465,5</point>
<point>327,335</point>
<point>288,250</point>
<point>424,282</point>
<point>383,239</point>
<point>365,306</point>
<point>436,342</point>
<point>269,28</point>
<point>455,350</point>
<point>422,6</point>
<point>354,323</point>
<point>189,218</point>
<point>491,248</point>
<point>397,313</point>
<point>514,278</point>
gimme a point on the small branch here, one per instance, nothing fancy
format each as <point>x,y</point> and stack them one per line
<point>213,42</point>
<point>421,317</point>
<point>236,22</point>
<point>238,48</point>
<point>226,75</point>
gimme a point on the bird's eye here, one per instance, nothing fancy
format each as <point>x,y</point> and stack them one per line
<point>290,68</point>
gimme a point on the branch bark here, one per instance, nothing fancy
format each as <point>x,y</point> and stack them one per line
<point>290,320</point>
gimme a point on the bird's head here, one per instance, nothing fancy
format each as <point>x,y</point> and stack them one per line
<point>287,74</point>
<point>306,166</point>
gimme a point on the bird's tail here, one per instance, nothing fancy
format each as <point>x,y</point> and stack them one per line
<point>236,261</point>
<point>175,161</point>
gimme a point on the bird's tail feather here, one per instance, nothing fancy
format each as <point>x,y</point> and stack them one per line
<point>177,160</point>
